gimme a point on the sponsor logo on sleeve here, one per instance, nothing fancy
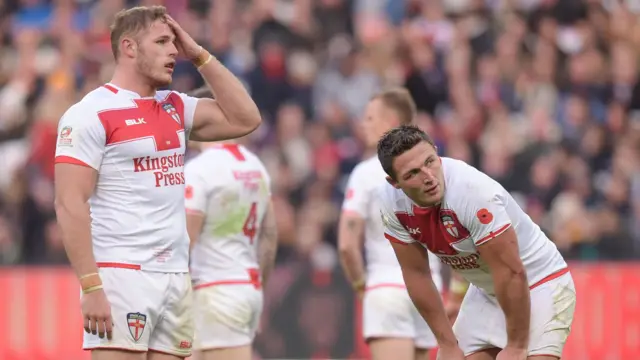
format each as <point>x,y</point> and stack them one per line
<point>65,138</point>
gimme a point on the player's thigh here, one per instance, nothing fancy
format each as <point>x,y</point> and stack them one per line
<point>173,334</point>
<point>230,353</point>
<point>391,348</point>
<point>480,323</point>
<point>156,355</point>
<point>485,354</point>
<point>136,298</point>
<point>227,316</point>
<point>112,354</point>
<point>552,309</point>
<point>542,357</point>
<point>421,354</point>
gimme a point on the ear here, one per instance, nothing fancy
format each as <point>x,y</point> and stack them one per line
<point>393,182</point>
<point>128,47</point>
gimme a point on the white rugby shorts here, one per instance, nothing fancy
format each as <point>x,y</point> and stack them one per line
<point>388,312</point>
<point>151,311</point>
<point>481,323</point>
<point>226,315</point>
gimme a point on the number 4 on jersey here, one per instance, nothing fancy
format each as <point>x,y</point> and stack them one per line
<point>249,227</point>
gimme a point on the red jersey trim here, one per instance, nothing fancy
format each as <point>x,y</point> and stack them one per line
<point>394,240</point>
<point>70,160</point>
<point>553,276</point>
<point>385,285</point>
<point>118,265</point>
<point>254,279</point>
<point>493,234</point>
<point>119,348</point>
<point>110,88</point>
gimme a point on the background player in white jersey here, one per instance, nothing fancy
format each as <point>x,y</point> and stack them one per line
<point>233,235</point>
<point>392,326</point>
<point>521,300</point>
<point>120,187</point>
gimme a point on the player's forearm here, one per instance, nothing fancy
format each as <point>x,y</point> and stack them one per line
<point>426,298</point>
<point>352,264</point>
<point>234,100</point>
<point>268,245</point>
<point>267,255</point>
<point>350,232</point>
<point>512,291</point>
<point>75,224</point>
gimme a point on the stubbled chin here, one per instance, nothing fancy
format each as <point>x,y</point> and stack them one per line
<point>160,82</point>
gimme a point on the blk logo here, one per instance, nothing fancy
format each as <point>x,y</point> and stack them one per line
<point>137,121</point>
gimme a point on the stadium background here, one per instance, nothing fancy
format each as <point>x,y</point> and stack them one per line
<point>540,94</point>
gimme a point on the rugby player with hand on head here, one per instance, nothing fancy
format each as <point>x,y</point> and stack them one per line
<point>521,300</point>
<point>119,186</point>
<point>392,326</point>
<point>231,223</point>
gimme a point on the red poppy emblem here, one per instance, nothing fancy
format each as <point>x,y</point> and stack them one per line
<point>485,216</point>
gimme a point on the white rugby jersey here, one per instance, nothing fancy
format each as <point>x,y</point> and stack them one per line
<point>475,210</point>
<point>230,186</point>
<point>137,145</point>
<point>361,199</point>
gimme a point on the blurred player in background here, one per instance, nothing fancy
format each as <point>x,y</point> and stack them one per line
<point>521,300</point>
<point>458,287</point>
<point>120,187</point>
<point>392,326</point>
<point>233,235</point>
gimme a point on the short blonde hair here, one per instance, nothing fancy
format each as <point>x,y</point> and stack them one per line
<point>133,21</point>
<point>399,100</point>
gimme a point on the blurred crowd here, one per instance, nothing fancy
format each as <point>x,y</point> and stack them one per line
<point>542,95</point>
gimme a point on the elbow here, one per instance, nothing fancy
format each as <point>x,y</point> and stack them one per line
<point>416,276</point>
<point>512,274</point>
<point>254,120</point>
<point>518,271</point>
<point>251,117</point>
<point>345,249</point>
<point>250,123</point>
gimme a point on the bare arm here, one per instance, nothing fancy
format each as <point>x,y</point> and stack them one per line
<point>231,115</point>
<point>267,244</point>
<point>423,292</point>
<point>74,185</point>
<point>195,221</point>
<point>350,234</point>
<point>511,285</point>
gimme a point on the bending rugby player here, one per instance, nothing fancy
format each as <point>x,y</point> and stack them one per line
<point>521,300</point>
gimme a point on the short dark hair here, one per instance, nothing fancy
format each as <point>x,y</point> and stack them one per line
<point>132,21</point>
<point>399,100</point>
<point>201,92</point>
<point>396,142</point>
